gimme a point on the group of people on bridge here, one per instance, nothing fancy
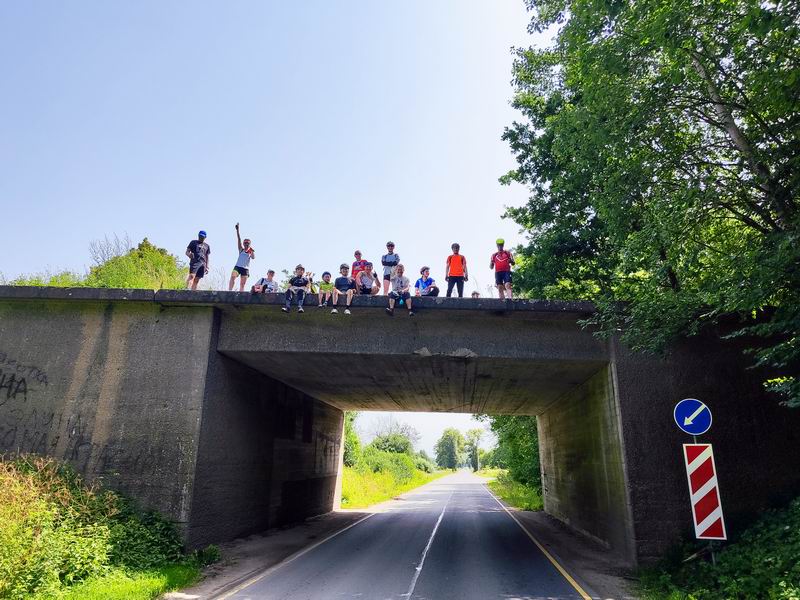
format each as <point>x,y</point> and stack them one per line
<point>360,279</point>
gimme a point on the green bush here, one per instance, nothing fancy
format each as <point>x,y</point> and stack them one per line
<point>352,443</point>
<point>56,532</point>
<point>401,466</point>
<point>424,464</point>
<point>763,563</point>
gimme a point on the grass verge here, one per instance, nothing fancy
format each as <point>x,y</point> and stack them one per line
<point>362,488</point>
<point>512,492</point>
<point>763,563</point>
<point>60,538</point>
<point>121,585</point>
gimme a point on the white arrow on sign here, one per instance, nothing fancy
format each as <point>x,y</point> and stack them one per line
<point>690,419</point>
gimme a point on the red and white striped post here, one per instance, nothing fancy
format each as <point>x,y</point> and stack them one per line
<point>701,473</point>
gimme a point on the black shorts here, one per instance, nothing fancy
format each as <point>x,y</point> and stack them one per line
<point>502,277</point>
<point>242,271</point>
<point>396,295</point>
<point>197,269</point>
<point>387,277</point>
<point>365,291</point>
<point>344,291</point>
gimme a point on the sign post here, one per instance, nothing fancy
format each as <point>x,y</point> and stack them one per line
<point>694,417</point>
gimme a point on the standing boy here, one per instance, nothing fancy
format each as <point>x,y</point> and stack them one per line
<point>400,291</point>
<point>501,262</point>
<point>298,288</point>
<point>242,268</point>
<point>390,260</point>
<point>343,286</point>
<point>198,252</point>
<point>456,271</point>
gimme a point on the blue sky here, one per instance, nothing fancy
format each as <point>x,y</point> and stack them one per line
<point>320,126</point>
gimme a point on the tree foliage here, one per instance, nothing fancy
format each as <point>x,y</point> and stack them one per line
<point>145,267</point>
<point>393,442</point>
<point>517,447</point>
<point>472,448</point>
<point>449,449</point>
<point>661,146</point>
<point>352,443</point>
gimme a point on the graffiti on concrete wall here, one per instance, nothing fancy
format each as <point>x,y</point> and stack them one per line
<point>17,379</point>
<point>30,425</point>
<point>326,453</point>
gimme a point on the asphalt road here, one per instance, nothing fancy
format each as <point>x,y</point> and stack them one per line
<point>449,539</point>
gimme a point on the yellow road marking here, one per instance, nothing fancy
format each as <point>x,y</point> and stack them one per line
<point>550,557</point>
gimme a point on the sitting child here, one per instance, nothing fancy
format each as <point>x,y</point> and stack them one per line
<point>325,289</point>
<point>343,286</point>
<point>298,287</point>
<point>426,285</point>
<point>266,285</point>
<point>400,291</point>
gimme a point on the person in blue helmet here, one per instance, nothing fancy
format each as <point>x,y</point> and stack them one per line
<point>198,252</point>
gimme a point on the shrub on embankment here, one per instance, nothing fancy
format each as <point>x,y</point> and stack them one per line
<point>763,563</point>
<point>60,538</point>
<point>378,475</point>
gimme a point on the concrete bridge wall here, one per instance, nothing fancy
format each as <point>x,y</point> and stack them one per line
<point>135,394</point>
<point>225,414</point>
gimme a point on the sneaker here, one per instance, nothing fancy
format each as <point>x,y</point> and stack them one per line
<point>320,306</point>
<point>284,309</point>
<point>411,313</point>
<point>300,309</point>
<point>347,311</point>
<point>390,311</point>
<point>334,312</point>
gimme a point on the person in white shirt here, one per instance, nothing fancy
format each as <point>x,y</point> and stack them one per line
<point>266,285</point>
<point>242,268</point>
<point>400,291</point>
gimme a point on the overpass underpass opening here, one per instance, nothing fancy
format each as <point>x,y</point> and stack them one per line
<point>583,478</point>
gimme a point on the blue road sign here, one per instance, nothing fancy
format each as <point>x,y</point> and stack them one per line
<point>692,416</point>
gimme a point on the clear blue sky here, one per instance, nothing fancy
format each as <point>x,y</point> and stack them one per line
<point>320,126</point>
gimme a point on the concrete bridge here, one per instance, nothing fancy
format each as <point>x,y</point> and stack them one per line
<point>224,413</point>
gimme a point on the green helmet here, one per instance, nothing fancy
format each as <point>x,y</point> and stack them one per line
<point>500,241</point>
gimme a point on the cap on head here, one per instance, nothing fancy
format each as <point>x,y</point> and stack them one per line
<point>368,264</point>
<point>423,269</point>
<point>299,267</point>
<point>201,233</point>
<point>343,266</point>
<point>500,241</point>
<point>357,253</point>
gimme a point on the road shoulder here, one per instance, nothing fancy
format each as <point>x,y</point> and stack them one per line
<point>246,558</point>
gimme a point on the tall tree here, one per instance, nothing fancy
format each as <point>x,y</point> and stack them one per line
<point>661,145</point>
<point>472,447</point>
<point>450,449</point>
